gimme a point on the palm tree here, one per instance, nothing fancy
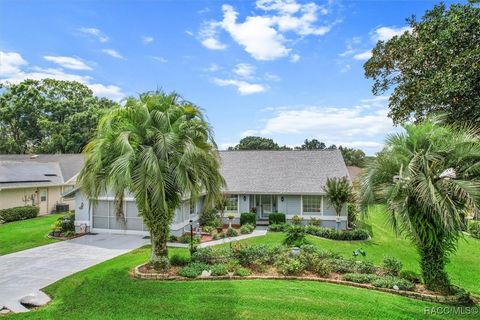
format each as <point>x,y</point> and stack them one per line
<point>337,192</point>
<point>159,148</point>
<point>428,177</point>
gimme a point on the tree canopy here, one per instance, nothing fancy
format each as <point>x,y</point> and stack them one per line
<point>352,157</point>
<point>434,68</point>
<point>48,116</point>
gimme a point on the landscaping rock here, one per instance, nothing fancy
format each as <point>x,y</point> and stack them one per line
<point>36,299</point>
<point>205,273</point>
<point>4,311</point>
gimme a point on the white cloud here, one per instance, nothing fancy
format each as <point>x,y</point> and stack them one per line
<point>113,53</point>
<point>95,33</point>
<point>386,33</point>
<point>10,63</point>
<point>294,57</point>
<point>363,125</point>
<point>264,36</point>
<point>244,70</point>
<point>159,59</point>
<point>68,62</point>
<point>243,87</point>
<point>13,73</point>
<point>190,33</point>
<point>271,77</point>
<point>363,55</point>
<point>147,39</point>
<point>248,133</point>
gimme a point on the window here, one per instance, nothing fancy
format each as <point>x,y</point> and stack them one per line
<point>232,203</point>
<point>312,204</point>
<point>43,196</point>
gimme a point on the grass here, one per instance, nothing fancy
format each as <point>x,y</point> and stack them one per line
<point>463,268</point>
<point>26,234</point>
<point>106,291</point>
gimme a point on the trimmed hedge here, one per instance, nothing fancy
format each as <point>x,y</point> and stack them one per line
<point>248,217</point>
<point>277,218</point>
<point>18,213</point>
<point>329,233</point>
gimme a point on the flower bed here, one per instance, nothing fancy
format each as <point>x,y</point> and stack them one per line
<point>210,233</point>
<point>306,263</point>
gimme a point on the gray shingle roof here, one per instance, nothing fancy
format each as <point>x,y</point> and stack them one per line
<point>19,170</point>
<point>286,172</point>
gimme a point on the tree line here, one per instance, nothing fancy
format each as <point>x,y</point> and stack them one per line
<point>352,156</point>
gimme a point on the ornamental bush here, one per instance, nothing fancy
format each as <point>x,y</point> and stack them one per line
<point>330,233</point>
<point>219,269</point>
<point>360,277</point>
<point>276,227</point>
<point>247,228</point>
<point>248,217</point>
<point>179,260</point>
<point>277,218</point>
<point>390,282</point>
<point>18,213</point>
<point>295,235</point>
<point>193,270</point>
<point>392,266</point>
<point>288,265</point>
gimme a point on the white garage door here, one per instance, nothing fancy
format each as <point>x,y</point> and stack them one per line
<point>104,217</point>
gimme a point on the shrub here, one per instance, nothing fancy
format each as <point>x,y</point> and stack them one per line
<point>173,238</point>
<point>297,220</point>
<point>474,229</point>
<point>208,217</point>
<point>248,217</point>
<point>242,272</point>
<point>67,222</point>
<point>314,222</point>
<point>215,236</point>
<point>219,269</point>
<point>179,260</point>
<point>341,265</point>
<point>258,265</point>
<point>330,233</point>
<point>231,232</point>
<point>323,268</point>
<point>295,235</point>
<point>208,229</point>
<point>365,266</point>
<point>69,234</point>
<point>276,227</point>
<point>246,228</point>
<point>162,265</point>
<point>221,235</point>
<point>184,238</point>
<point>288,266</point>
<point>411,276</point>
<point>18,213</point>
<point>246,255</point>
<point>390,282</point>
<point>193,270</point>
<point>209,255</point>
<point>276,218</point>
<point>360,277</point>
<point>392,266</point>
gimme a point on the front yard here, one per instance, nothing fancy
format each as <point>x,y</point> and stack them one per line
<point>107,291</point>
<point>26,234</point>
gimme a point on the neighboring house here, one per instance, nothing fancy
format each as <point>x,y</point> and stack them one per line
<point>38,180</point>
<point>270,181</point>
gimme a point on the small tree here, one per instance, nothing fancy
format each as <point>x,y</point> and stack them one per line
<point>337,192</point>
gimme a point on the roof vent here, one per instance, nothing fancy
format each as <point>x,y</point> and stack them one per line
<point>50,174</point>
<point>34,156</point>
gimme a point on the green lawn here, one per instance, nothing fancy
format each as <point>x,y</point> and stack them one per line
<point>26,234</point>
<point>106,291</point>
<point>463,269</point>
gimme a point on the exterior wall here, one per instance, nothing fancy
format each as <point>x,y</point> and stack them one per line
<point>14,198</point>
<point>293,205</point>
<point>243,205</point>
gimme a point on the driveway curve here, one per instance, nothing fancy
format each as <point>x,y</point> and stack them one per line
<point>26,272</point>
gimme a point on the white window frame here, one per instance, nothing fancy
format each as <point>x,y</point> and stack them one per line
<point>314,213</point>
<point>238,204</point>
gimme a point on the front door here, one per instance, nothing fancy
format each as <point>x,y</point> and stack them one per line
<point>265,204</point>
<point>43,200</point>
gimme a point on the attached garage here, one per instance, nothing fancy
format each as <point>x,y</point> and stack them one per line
<point>104,218</point>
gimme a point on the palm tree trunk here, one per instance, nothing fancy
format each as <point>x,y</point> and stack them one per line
<point>433,269</point>
<point>159,237</point>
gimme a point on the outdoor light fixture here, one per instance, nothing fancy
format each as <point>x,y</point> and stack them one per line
<point>191,236</point>
<point>281,199</point>
<point>244,198</point>
<point>295,251</point>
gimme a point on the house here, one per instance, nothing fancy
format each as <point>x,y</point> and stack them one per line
<point>38,180</point>
<point>262,181</point>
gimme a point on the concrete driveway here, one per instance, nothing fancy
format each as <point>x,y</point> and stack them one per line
<point>26,272</point>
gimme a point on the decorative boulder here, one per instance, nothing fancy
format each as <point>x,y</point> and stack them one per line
<point>36,299</point>
<point>205,273</point>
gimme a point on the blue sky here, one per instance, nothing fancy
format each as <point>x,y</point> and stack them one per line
<point>286,70</point>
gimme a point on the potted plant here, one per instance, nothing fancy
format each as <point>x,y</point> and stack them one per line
<point>230,219</point>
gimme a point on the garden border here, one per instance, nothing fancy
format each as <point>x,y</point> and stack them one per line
<point>451,300</point>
